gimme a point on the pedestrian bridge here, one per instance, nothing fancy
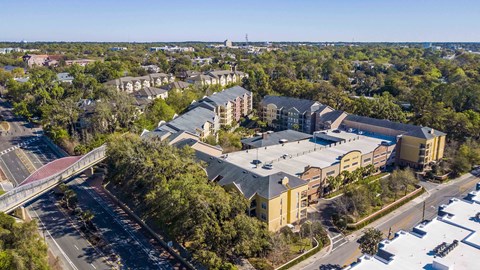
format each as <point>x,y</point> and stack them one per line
<point>49,176</point>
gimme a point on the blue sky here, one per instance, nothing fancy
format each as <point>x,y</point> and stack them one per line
<point>263,20</point>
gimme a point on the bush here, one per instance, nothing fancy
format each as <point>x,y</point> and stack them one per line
<point>261,264</point>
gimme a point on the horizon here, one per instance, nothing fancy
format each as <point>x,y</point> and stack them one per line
<point>148,21</point>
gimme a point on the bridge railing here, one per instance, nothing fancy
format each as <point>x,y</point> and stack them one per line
<point>20,194</point>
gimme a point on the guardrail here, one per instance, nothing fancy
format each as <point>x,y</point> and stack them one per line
<point>21,194</point>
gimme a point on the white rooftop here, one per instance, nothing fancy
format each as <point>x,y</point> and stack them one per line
<point>293,157</point>
<point>414,250</point>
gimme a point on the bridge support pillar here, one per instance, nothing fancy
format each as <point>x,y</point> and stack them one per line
<point>89,172</point>
<point>20,213</point>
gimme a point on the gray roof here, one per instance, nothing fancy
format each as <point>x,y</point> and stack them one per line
<point>149,91</point>
<point>176,85</point>
<point>302,105</point>
<point>191,120</point>
<point>64,76</point>
<point>330,116</point>
<point>247,182</point>
<point>275,137</point>
<point>407,129</point>
<point>227,95</point>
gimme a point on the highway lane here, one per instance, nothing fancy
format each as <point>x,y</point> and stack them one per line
<point>404,218</point>
<point>136,251</point>
<point>63,237</point>
<point>13,167</point>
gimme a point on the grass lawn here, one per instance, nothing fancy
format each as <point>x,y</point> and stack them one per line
<point>305,244</point>
<point>2,192</point>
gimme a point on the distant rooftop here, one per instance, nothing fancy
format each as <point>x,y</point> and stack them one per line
<point>302,105</point>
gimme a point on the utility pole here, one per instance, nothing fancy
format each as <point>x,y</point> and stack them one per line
<point>389,233</point>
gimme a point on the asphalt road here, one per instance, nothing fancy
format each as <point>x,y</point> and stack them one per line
<point>63,238</point>
<point>404,218</point>
<point>20,130</point>
<point>136,250</point>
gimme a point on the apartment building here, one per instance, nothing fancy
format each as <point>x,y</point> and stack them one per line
<point>217,77</point>
<point>417,146</point>
<point>283,113</point>
<point>199,121</point>
<point>229,105</point>
<point>313,160</point>
<point>277,199</point>
<point>133,84</point>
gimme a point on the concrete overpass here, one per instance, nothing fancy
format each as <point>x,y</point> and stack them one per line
<point>48,177</point>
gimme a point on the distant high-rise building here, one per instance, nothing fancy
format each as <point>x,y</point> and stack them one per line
<point>227,43</point>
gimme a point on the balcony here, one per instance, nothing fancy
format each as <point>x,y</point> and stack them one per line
<point>303,195</point>
<point>304,204</point>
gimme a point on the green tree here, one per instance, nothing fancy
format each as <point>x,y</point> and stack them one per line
<point>370,240</point>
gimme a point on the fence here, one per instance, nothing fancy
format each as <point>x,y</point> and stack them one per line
<point>22,194</point>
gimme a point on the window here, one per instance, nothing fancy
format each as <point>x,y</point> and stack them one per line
<point>346,166</point>
<point>316,177</point>
<point>330,173</point>
<point>315,186</point>
<point>355,163</point>
<point>346,160</point>
<point>263,216</point>
<point>367,160</point>
<point>264,205</point>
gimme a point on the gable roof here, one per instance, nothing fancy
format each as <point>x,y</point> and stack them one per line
<point>406,129</point>
<point>149,91</point>
<point>331,116</point>
<point>190,121</point>
<point>227,95</point>
<point>247,181</point>
<point>302,105</point>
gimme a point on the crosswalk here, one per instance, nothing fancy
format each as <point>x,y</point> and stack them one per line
<point>338,240</point>
<point>19,145</point>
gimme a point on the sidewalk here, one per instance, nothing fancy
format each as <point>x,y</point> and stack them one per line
<point>357,234</point>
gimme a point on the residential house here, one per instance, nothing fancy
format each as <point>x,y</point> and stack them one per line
<point>65,77</point>
<point>152,68</point>
<point>198,61</point>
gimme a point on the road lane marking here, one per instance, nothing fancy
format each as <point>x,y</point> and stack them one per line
<point>76,247</point>
<point>93,266</point>
<point>55,242</point>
